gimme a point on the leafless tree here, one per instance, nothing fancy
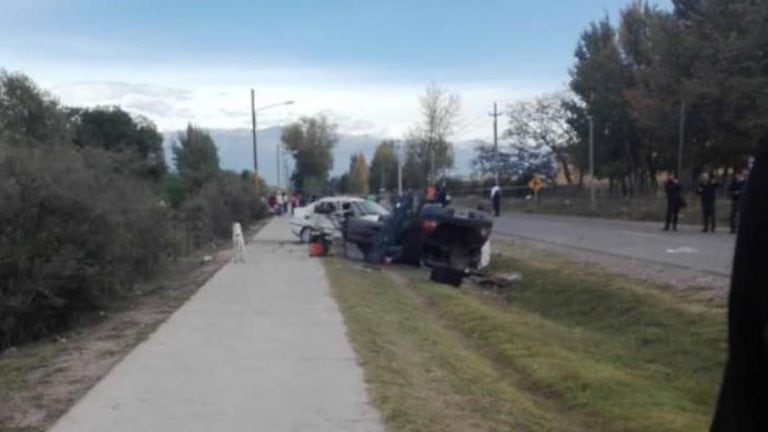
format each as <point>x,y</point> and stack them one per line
<point>428,149</point>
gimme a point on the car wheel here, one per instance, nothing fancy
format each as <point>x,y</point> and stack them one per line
<point>305,235</point>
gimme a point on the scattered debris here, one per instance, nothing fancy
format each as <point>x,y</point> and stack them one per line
<point>684,249</point>
<point>496,281</point>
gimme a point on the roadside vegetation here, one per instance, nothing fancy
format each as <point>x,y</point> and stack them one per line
<point>41,380</point>
<point>90,209</point>
<point>567,349</point>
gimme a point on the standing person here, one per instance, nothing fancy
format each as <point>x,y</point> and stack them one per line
<point>285,203</point>
<point>442,196</point>
<point>735,191</point>
<point>430,194</point>
<point>707,190</point>
<point>496,199</point>
<point>674,201</point>
<point>279,200</point>
<point>294,202</point>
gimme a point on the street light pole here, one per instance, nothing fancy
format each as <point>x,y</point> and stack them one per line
<point>399,170</point>
<point>255,110</point>
<point>277,156</point>
<point>495,114</point>
<point>253,133</point>
<point>681,139</point>
<point>592,198</point>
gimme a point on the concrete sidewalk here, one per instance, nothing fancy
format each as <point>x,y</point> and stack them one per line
<point>261,347</point>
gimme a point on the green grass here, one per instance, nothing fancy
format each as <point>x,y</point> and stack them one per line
<point>16,367</point>
<point>569,348</point>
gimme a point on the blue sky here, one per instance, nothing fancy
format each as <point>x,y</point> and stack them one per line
<point>363,63</point>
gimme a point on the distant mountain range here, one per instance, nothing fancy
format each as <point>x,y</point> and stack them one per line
<point>236,151</point>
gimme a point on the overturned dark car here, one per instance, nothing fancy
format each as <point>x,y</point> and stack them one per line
<point>452,241</point>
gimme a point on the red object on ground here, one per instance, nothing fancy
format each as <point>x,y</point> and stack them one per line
<point>316,249</point>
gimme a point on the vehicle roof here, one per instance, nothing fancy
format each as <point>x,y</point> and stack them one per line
<point>341,198</point>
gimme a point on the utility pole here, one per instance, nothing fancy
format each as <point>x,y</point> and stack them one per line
<point>681,138</point>
<point>431,174</point>
<point>277,156</point>
<point>253,132</point>
<point>400,169</point>
<point>592,198</point>
<point>254,110</point>
<point>495,114</point>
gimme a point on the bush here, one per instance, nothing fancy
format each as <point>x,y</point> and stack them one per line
<point>81,221</point>
<point>225,199</point>
<point>76,233</point>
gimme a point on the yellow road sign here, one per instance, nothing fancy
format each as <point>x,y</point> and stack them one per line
<point>535,184</point>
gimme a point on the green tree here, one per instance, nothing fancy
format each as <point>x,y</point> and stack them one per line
<point>383,172</point>
<point>542,122</point>
<point>113,129</point>
<point>601,80</point>
<point>311,141</point>
<point>357,182</point>
<point>196,157</point>
<point>28,115</point>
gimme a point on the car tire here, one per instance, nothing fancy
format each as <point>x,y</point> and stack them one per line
<point>304,235</point>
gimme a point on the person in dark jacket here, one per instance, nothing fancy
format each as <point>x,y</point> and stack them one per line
<point>735,191</point>
<point>742,403</point>
<point>707,190</point>
<point>442,195</point>
<point>674,201</point>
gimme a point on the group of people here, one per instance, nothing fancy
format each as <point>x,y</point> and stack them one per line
<point>282,202</point>
<point>707,191</point>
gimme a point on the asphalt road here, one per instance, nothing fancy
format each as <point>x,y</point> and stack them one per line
<point>261,347</point>
<point>687,248</point>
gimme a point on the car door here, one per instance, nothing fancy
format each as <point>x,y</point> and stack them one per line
<point>324,215</point>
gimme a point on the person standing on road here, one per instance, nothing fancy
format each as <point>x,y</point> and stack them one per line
<point>279,201</point>
<point>294,202</point>
<point>674,201</point>
<point>496,199</point>
<point>442,196</point>
<point>285,203</point>
<point>707,190</point>
<point>735,191</point>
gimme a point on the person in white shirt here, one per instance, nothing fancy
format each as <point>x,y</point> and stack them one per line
<point>496,199</point>
<point>280,202</point>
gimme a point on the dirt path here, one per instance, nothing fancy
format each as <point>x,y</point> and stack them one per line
<point>261,346</point>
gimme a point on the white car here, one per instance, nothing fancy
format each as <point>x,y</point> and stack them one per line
<point>327,213</point>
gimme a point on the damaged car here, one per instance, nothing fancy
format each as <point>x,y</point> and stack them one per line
<point>328,214</point>
<point>452,241</point>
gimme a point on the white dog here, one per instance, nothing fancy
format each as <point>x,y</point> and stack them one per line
<point>238,243</point>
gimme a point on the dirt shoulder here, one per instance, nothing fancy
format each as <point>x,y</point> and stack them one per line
<point>39,382</point>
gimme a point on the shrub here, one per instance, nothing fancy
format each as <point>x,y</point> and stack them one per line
<point>76,233</point>
<point>225,199</point>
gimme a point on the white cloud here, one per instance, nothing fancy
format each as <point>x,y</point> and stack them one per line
<point>360,101</point>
